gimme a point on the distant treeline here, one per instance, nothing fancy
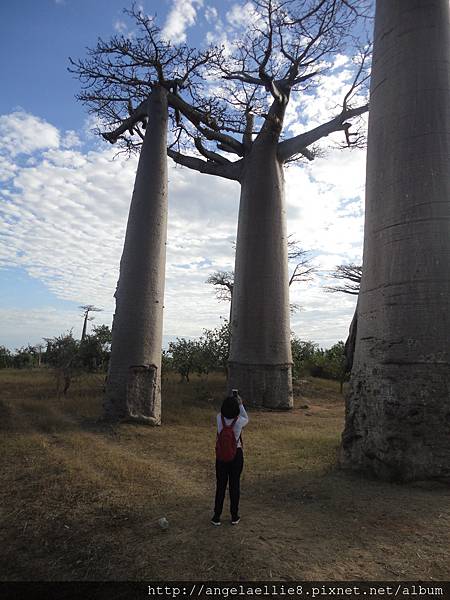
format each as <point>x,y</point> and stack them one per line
<point>184,356</point>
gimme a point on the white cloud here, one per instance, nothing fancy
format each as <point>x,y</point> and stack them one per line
<point>324,202</point>
<point>120,26</point>
<point>21,133</point>
<point>70,140</point>
<point>211,14</point>
<point>182,15</point>
<point>7,168</point>
<point>242,15</point>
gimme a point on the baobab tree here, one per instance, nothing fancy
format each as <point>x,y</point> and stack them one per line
<point>398,408</point>
<point>236,131</point>
<point>351,275</point>
<point>281,54</point>
<point>87,308</point>
<point>114,82</point>
<point>223,282</point>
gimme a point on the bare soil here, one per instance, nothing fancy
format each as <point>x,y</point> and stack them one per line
<point>81,500</point>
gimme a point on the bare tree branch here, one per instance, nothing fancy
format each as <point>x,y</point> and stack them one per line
<point>279,54</point>
<point>303,267</point>
<point>297,144</point>
<point>303,271</point>
<point>138,114</point>
<point>351,274</point>
<point>218,158</point>
<point>228,171</point>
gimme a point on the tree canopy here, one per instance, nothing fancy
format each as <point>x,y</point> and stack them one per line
<point>223,99</point>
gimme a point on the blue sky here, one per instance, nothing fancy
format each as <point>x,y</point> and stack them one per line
<point>64,200</point>
<point>37,36</point>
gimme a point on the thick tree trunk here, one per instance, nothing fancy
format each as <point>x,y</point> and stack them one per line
<point>398,408</point>
<point>133,387</point>
<point>260,358</point>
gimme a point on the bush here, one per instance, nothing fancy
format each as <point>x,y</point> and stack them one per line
<point>182,355</point>
<point>6,358</point>
<point>208,353</point>
<point>309,359</point>
<point>303,354</point>
<point>94,351</point>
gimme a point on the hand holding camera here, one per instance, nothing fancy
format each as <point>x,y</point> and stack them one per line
<point>235,393</point>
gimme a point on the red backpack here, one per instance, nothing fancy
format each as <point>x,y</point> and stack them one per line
<point>226,444</point>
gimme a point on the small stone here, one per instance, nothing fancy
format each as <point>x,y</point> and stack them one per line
<point>163,523</point>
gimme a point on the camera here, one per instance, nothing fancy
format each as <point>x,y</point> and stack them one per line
<point>235,393</point>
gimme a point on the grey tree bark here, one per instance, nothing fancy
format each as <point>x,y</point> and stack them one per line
<point>398,408</point>
<point>260,356</point>
<point>133,387</point>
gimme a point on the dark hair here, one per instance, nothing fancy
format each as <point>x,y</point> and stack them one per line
<point>230,407</point>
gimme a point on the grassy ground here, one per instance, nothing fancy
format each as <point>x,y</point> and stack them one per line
<point>81,500</point>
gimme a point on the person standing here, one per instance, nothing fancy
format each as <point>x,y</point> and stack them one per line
<point>229,455</point>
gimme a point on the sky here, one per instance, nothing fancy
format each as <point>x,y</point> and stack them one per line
<point>65,194</point>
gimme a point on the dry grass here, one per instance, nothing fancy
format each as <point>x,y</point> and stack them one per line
<point>80,500</point>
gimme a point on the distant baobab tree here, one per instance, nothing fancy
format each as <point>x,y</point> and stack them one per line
<point>87,308</point>
<point>351,275</point>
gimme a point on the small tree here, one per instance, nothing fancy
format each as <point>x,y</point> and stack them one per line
<point>315,361</point>
<point>25,357</point>
<point>213,348</point>
<point>6,358</point>
<point>336,362</point>
<point>63,356</point>
<point>166,363</point>
<point>303,353</point>
<point>183,355</point>
<point>94,350</point>
<point>103,334</point>
<point>330,363</point>
<point>92,357</point>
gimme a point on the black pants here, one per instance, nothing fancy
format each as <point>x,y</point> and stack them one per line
<point>229,473</point>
